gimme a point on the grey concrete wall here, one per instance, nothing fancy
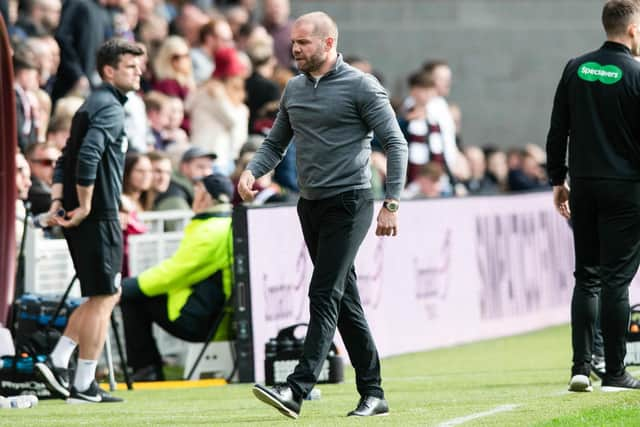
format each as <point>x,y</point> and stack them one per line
<point>506,55</point>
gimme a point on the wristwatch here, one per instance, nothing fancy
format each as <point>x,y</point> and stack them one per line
<point>391,205</point>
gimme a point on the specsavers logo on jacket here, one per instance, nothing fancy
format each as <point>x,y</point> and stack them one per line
<point>592,71</point>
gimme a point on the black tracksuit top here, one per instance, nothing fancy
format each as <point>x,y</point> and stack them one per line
<point>597,108</point>
<point>94,154</point>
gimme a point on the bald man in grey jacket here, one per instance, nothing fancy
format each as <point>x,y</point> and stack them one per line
<point>329,111</point>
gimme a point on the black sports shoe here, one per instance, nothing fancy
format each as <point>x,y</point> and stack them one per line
<point>57,379</point>
<point>148,373</point>
<point>94,394</point>
<point>621,382</point>
<point>280,397</point>
<point>370,406</point>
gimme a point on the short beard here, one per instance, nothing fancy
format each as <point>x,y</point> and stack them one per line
<point>314,63</point>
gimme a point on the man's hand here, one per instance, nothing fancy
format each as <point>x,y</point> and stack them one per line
<point>52,214</point>
<point>245,186</point>
<point>75,217</point>
<point>561,200</point>
<point>387,223</point>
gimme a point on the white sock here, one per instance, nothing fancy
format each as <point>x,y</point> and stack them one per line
<point>85,373</point>
<point>62,352</point>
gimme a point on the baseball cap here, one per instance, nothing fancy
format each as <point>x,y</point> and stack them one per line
<point>218,184</point>
<point>196,153</point>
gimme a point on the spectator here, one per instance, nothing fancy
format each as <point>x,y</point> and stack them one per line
<point>220,117</point>
<point>25,70</point>
<point>58,131</point>
<point>187,292</point>
<point>135,184</point>
<point>189,22</point>
<point>260,88</point>
<point>174,133</point>
<point>214,35</point>
<point>47,58</point>
<point>530,175</point>
<point>237,16</point>
<point>428,182</point>
<point>479,182</point>
<point>278,23</point>
<point>160,178</point>
<point>79,35</point>
<point>135,113</point>
<point>39,17</point>
<point>157,108</point>
<point>195,164</point>
<point>23,183</point>
<point>172,68</point>
<point>438,109</point>
<point>497,169</point>
<point>42,159</point>
<point>137,180</point>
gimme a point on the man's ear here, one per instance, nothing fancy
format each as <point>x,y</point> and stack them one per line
<point>329,42</point>
<point>108,71</point>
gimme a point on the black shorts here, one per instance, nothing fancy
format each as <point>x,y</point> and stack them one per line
<point>96,251</point>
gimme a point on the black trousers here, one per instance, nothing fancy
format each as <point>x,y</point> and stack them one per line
<point>193,324</point>
<point>333,230</point>
<point>606,230</point>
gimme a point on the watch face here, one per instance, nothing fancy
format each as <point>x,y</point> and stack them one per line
<point>391,206</point>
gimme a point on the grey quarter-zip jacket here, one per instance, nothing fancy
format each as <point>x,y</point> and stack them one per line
<point>331,120</point>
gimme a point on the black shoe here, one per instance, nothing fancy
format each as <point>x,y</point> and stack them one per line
<point>94,394</point>
<point>281,398</point>
<point>370,406</point>
<point>148,373</point>
<point>621,382</point>
<point>598,368</point>
<point>57,379</point>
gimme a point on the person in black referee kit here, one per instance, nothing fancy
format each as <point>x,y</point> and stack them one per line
<point>330,110</point>
<point>597,110</point>
<point>87,184</point>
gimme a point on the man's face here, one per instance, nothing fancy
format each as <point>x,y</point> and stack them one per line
<point>308,49</point>
<point>223,36</point>
<point>197,168</point>
<point>23,177</point>
<point>276,11</point>
<point>161,170</point>
<point>51,14</point>
<point>126,76</point>
<point>442,79</point>
<point>43,162</point>
<point>429,186</point>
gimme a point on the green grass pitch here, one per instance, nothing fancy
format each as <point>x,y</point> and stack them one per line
<point>516,381</point>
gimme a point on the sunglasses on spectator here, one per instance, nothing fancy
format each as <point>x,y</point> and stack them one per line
<point>44,162</point>
<point>177,56</point>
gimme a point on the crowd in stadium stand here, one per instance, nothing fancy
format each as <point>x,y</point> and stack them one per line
<point>212,79</point>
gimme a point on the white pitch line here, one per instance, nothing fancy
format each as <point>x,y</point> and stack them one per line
<point>471,417</point>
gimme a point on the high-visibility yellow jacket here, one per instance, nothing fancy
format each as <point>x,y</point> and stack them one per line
<point>205,249</point>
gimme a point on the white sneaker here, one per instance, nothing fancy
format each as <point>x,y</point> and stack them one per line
<point>580,383</point>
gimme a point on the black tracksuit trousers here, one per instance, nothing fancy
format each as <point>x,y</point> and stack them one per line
<point>333,230</point>
<point>606,229</point>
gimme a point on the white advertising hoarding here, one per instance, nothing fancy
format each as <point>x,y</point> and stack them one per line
<point>460,270</point>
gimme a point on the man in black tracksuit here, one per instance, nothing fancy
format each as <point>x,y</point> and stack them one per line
<point>87,182</point>
<point>597,106</point>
